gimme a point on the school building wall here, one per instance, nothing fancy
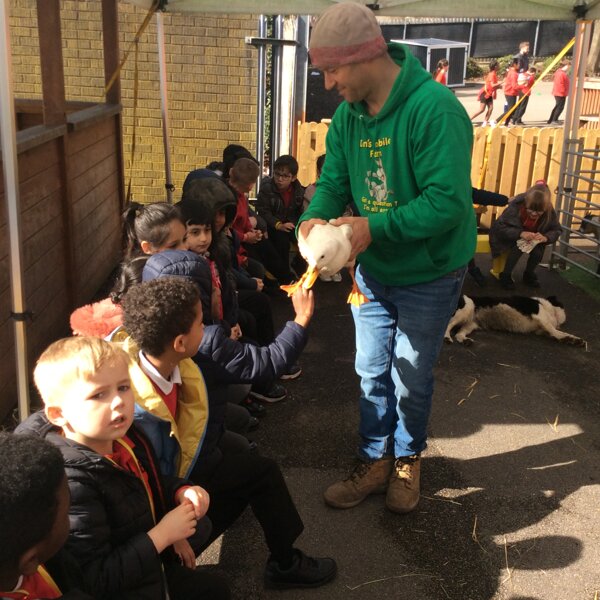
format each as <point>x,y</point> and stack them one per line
<point>211,83</point>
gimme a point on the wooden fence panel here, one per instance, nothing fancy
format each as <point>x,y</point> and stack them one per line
<point>516,158</point>
<point>311,144</point>
<point>541,159</point>
<point>555,158</point>
<point>478,154</point>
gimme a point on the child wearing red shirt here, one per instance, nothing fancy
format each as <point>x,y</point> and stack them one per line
<point>525,81</point>
<point>487,94</point>
<point>511,91</point>
<point>560,91</point>
<point>441,73</point>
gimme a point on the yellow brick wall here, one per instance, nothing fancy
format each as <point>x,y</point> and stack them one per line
<point>211,81</point>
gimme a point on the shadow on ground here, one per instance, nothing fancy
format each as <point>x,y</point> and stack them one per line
<point>509,506</point>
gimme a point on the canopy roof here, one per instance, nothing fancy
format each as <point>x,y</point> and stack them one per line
<point>562,10</point>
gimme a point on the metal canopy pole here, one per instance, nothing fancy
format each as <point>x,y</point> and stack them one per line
<point>164,104</point>
<point>299,107</point>
<point>260,96</point>
<point>10,167</point>
<point>276,91</point>
<point>566,194</point>
<point>261,42</point>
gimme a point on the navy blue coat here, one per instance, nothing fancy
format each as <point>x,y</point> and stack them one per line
<point>182,263</point>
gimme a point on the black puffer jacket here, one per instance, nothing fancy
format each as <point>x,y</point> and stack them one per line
<point>110,516</point>
<point>271,207</point>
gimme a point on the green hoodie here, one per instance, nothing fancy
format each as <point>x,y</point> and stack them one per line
<point>407,169</point>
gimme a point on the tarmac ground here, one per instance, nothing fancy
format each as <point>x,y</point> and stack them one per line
<point>510,481</point>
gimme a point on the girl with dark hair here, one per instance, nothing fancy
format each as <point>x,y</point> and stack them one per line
<point>487,94</point>
<point>441,72</point>
<point>151,228</point>
<point>527,226</point>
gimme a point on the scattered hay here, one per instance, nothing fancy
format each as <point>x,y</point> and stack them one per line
<point>553,426</point>
<point>508,569</point>
<point>441,499</point>
<point>356,587</point>
<point>474,532</point>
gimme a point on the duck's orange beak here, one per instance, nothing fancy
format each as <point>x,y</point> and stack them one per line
<point>306,281</point>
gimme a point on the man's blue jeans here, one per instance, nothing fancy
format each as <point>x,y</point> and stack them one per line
<point>398,338</point>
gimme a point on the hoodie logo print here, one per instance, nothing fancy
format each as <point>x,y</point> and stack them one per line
<point>376,181</point>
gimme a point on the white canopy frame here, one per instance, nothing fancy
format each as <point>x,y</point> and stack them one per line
<point>576,10</point>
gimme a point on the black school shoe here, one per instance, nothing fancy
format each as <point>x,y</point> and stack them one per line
<point>478,276</point>
<point>531,279</point>
<point>254,408</point>
<point>292,373</point>
<point>506,281</point>
<point>276,393</point>
<point>305,572</point>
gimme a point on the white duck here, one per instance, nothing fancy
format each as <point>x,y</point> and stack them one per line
<point>326,249</point>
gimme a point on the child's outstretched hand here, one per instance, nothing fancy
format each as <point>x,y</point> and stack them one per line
<point>177,524</point>
<point>304,305</point>
<point>197,496</point>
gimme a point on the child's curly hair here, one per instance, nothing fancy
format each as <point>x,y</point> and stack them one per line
<point>156,312</point>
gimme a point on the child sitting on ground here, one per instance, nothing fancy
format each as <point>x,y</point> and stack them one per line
<point>203,210</point>
<point>280,203</point>
<point>208,208</point>
<point>127,522</point>
<point>151,228</point>
<point>255,242</point>
<point>527,226</point>
<point>34,522</point>
<point>164,319</point>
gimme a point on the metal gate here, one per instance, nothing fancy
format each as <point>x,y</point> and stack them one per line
<point>578,208</point>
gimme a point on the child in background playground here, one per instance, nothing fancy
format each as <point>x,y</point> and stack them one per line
<point>441,73</point>
<point>487,95</point>
<point>511,90</point>
<point>560,91</point>
<point>525,81</point>
<point>525,227</point>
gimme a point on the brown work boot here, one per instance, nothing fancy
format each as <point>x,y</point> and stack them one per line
<point>366,478</point>
<point>403,490</point>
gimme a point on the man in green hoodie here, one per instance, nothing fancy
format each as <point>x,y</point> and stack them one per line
<point>400,148</point>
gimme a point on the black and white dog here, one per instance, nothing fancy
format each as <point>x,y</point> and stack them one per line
<point>517,314</point>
